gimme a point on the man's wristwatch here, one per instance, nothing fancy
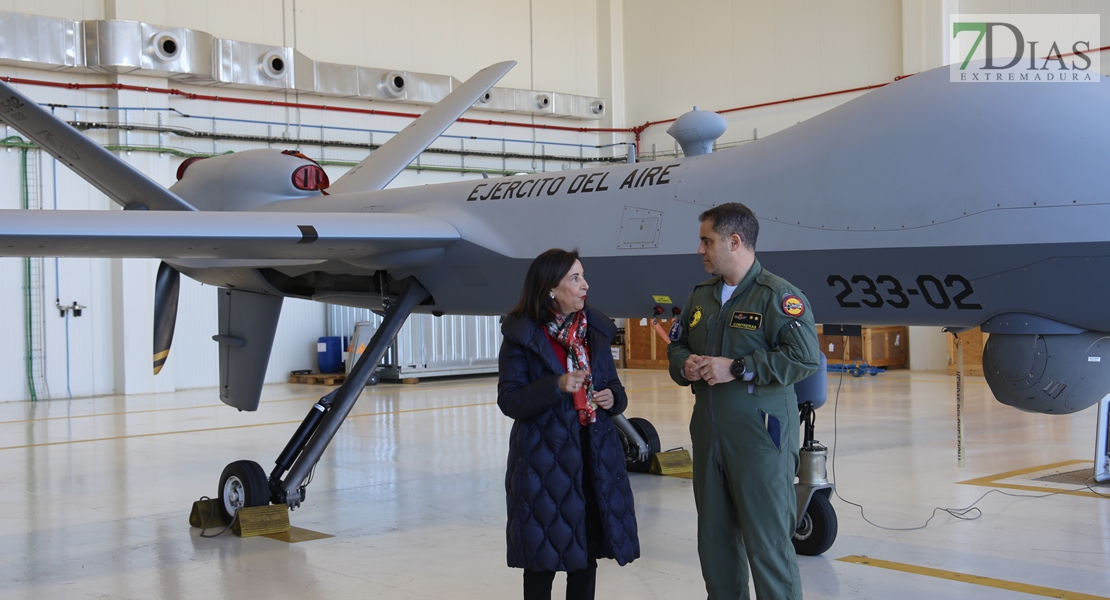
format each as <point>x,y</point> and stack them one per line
<point>738,368</point>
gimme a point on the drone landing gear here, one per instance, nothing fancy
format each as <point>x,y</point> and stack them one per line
<point>244,484</point>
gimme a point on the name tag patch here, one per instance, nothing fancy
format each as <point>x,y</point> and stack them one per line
<point>746,320</point>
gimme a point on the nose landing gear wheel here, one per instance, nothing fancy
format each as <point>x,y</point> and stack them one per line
<point>651,437</point>
<point>242,484</point>
<point>817,531</point>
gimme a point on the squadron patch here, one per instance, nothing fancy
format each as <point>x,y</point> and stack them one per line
<point>695,317</point>
<point>793,305</point>
<point>676,330</point>
<point>746,320</point>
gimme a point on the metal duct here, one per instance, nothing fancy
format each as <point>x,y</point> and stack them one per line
<point>113,46</point>
<point>372,84</point>
<point>498,99</point>
<point>531,102</point>
<point>425,88</point>
<point>109,46</point>
<point>145,49</point>
<point>326,79</point>
<point>44,43</point>
<point>191,63</point>
<point>578,107</point>
<point>247,65</point>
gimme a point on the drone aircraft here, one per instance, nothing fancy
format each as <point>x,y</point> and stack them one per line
<point>925,202</point>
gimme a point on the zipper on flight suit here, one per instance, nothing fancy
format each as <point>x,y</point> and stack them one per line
<point>710,343</point>
<point>713,344</point>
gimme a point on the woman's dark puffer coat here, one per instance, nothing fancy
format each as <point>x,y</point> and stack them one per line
<point>547,509</point>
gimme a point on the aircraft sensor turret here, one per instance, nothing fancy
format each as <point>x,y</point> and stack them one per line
<point>696,131</point>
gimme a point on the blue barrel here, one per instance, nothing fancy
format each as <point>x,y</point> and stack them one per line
<point>329,354</point>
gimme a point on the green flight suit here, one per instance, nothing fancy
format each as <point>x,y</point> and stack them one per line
<point>743,476</point>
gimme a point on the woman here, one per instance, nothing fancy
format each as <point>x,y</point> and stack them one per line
<point>569,501</point>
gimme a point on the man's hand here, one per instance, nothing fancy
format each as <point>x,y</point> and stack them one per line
<point>692,368</point>
<point>604,398</point>
<point>716,369</point>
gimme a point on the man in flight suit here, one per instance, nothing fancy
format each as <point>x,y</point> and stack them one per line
<point>743,339</point>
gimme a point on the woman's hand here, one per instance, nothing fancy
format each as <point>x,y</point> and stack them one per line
<point>571,382</point>
<point>604,398</point>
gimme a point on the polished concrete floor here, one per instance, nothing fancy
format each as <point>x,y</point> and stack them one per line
<point>97,494</point>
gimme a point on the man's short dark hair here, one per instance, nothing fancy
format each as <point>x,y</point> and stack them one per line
<point>733,217</point>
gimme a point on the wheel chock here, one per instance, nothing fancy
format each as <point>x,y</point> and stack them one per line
<point>206,515</point>
<point>261,520</point>
<point>671,462</point>
<point>251,521</point>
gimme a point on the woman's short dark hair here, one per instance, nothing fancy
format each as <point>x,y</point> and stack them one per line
<point>544,275</point>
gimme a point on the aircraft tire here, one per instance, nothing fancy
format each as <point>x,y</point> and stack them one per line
<point>646,431</point>
<point>242,484</point>
<point>817,532</point>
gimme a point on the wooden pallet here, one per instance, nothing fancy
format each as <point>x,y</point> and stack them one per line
<point>318,378</point>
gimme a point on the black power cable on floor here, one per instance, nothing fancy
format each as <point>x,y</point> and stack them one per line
<point>211,516</point>
<point>968,513</point>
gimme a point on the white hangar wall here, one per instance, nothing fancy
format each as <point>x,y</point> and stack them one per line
<point>650,60</point>
<point>108,349</point>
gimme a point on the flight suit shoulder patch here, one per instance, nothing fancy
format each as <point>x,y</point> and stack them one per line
<point>676,330</point>
<point>695,317</point>
<point>746,320</point>
<point>792,305</point>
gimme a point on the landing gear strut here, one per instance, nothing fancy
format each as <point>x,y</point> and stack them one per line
<point>816,529</point>
<point>314,434</point>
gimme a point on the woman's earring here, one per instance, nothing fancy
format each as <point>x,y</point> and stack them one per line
<point>551,294</point>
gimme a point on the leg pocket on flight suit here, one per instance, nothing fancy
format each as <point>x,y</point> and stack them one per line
<point>772,425</point>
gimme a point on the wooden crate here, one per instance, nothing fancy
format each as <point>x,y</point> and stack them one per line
<point>644,348</point>
<point>839,349</point>
<point>973,341</point>
<point>886,346</point>
<point>318,378</point>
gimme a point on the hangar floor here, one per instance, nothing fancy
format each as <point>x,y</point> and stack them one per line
<point>411,492</point>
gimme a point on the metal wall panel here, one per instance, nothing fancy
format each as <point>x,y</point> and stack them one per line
<point>426,346</point>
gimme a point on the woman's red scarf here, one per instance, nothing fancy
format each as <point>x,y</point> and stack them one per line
<point>571,334</point>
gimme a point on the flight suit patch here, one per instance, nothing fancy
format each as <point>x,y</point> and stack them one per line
<point>793,305</point>
<point>676,330</point>
<point>695,317</point>
<point>746,320</point>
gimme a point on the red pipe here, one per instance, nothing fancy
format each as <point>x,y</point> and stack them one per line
<point>636,130</point>
<point>364,111</point>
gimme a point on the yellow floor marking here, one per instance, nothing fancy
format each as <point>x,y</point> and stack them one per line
<point>161,433</point>
<point>297,534</point>
<point>395,388</point>
<point>996,481</point>
<point>149,410</point>
<point>1002,584</point>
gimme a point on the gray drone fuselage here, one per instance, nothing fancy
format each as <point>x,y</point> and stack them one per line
<point>925,202</point>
